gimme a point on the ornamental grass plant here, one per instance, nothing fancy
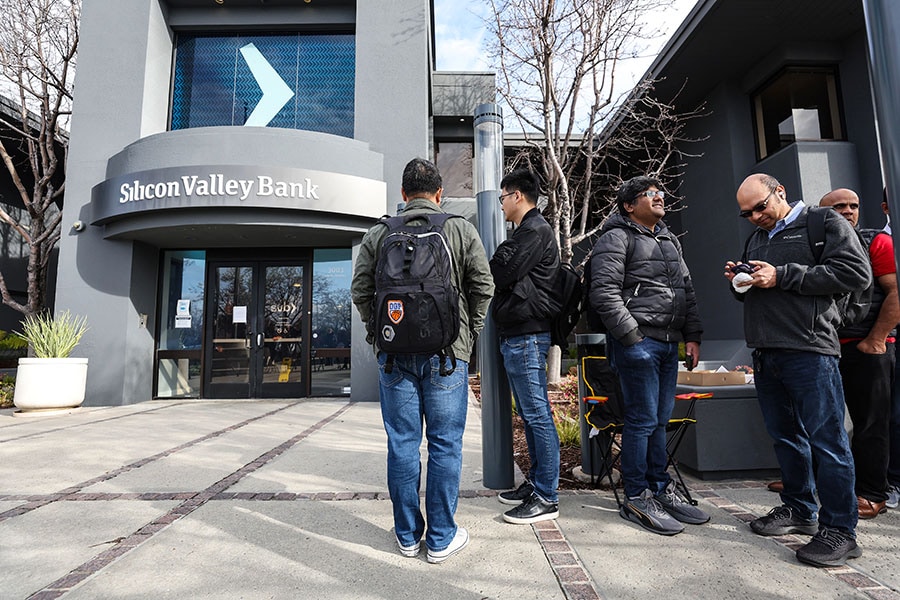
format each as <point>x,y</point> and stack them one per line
<point>53,337</point>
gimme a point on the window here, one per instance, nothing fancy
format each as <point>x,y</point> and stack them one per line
<point>454,161</point>
<point>799,104</point>
<point>312,78</point>
<point>332,313</point>
<point>181,324</point>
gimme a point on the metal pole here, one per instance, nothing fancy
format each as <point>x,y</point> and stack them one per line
<point>882,24</point>
<point>496,407</point>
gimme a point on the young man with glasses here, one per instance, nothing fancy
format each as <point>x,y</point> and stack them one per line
<point>524,269</point>
<point>791,321</point>
<point>642,291</point>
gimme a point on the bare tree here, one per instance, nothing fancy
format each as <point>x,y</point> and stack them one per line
<point>557,62</point>
<point>38,44</point>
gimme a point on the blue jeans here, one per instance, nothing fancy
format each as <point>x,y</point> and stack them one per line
<point>415,391</point>
<point>525,360</point>
<point>648,373</point>
<point>802,402</point>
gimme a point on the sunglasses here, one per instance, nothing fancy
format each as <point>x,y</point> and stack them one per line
<point>746,214</point>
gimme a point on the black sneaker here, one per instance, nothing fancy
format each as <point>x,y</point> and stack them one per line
<point>518,495</point>
<point>531,511</point>
<point>781,521</point>
<point>647,512</point>
<point>829,548</point>
<point>677,505</point>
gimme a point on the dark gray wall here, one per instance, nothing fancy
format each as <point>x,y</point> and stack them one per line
<point>714,233</point>
<point>860,123</point>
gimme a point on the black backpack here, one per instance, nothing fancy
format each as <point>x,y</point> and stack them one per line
<point>595,323</point>
<point>853,306</point>
<point>565,302</point>
<point>416,305</point>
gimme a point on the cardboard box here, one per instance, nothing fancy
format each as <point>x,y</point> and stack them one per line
<point>711,378</point>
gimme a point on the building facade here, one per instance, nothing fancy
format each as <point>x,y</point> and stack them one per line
<point>787,89</point>
<point>225,159</point>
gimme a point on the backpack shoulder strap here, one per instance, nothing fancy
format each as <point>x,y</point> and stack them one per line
<point>392,223</point>
<point>436,221</point>
<point>747,246</point>
<point>868,235</point>
<point>629,245</point>
<point>815,229</point>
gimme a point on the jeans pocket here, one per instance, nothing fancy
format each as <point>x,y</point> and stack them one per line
<point>638,352</point>
<point>391,379</point>
<point>451,381</point>
<point>515,343</point>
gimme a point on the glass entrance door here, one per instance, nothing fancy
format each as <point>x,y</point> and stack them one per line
<point>255,346</point>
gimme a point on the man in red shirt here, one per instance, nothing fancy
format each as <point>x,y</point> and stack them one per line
<point>867,363</point>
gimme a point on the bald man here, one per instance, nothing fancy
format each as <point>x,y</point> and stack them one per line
<point>867,363</point>
<point>845,202</point>
<point>790,320</point>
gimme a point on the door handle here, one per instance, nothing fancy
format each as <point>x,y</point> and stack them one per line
<point>259,340</point>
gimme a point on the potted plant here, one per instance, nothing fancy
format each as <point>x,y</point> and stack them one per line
<point>51,380</point>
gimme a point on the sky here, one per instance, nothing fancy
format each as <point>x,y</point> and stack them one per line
<point>460,32</point>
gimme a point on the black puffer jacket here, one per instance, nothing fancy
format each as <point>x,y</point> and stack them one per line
<point>644,292</point>
<point>524,269</point>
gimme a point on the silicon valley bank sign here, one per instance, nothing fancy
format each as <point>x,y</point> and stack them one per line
<point>235,186</point>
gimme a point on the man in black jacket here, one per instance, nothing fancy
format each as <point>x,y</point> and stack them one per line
<point>791,319</point>
<point>867,363</point>
<point>524,269</point>
<point>642,291</point>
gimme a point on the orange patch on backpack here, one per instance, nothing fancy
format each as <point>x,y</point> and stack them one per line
<point>395,311</point>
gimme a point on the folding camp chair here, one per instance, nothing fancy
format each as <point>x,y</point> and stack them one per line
<point>604,412</point>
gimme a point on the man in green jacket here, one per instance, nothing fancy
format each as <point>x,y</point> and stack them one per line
<point>413,388</point>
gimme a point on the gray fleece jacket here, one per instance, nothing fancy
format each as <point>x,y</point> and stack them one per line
<point>800,313</point>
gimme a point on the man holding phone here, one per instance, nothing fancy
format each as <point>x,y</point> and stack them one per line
<point>791,321</point>
<point>641,289</point>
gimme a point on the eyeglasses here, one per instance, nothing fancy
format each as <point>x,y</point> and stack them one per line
<point>746,214</point>
<point>502,196</point>
<point>652,194</point>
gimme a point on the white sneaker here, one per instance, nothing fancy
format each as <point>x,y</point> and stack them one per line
<point>409,551</point>
<point>459,541</point>
<point>893,498</point>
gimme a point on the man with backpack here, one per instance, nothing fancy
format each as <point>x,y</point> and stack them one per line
<point>422,286</point>
<point>642,292</point>
<point>867,362</point>
<point>791,318</point>
<point>525,269</point>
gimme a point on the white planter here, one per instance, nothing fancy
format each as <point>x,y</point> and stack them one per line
<point>44,384</point>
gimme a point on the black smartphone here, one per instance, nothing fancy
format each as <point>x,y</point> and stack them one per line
<point>742,268</point>
<point>689,363</point>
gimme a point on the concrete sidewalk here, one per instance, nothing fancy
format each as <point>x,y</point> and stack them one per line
<point>278,499</point>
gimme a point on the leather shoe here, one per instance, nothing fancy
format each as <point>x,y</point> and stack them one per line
<point>869,509</point>
<point>776,486</point>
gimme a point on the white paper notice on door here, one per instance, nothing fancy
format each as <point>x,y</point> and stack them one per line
<point>183,322</point>
<point>240,314</point>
